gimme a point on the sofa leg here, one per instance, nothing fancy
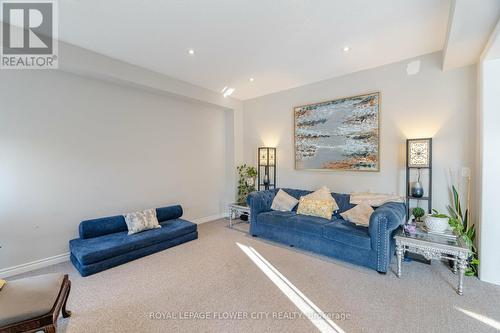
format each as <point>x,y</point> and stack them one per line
<point>254,236</point>
<point>291,245</point>
<point>382,273</point>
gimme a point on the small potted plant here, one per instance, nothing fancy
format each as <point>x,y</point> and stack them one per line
<point>418,213</point>
<point>437,222</point>
<point>246,182</point>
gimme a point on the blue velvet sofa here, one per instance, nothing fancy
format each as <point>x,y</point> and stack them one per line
<point>104,242</point>
<point>371,246</point>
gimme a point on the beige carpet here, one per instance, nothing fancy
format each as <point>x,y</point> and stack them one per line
<point>212,275</point>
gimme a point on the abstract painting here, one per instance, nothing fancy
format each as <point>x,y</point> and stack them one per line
<point>341,134</point>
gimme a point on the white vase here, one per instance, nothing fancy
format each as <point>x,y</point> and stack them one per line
<point>436,224</point>
<point>250,181</point>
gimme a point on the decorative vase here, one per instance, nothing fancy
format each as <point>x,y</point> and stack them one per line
<point>417,191</point>
<point>436,224</point>
<point>250,181</point>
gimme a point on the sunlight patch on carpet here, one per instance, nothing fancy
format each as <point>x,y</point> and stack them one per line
<point>482,318</point>
<point>308,308</point>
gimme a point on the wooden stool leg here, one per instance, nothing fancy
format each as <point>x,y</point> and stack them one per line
<point>50,329</point>
<point>66,313</point>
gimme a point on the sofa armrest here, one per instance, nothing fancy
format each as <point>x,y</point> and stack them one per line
<point>259,202</point>
<point>383,222</point>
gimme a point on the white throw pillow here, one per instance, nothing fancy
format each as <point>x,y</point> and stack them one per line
<point>323,193</point>
<point>374,199</point>
<point>142,220</point>
<point>359,215</point>
<point>283,201</point>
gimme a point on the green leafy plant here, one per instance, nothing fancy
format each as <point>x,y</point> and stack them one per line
<point>418,212</point>
<point>460,222</point>
<point>246,182</point>
<point>439,215</point>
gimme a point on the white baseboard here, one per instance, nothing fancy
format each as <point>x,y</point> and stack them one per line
<point>209,218</point>
<point>30,266</point>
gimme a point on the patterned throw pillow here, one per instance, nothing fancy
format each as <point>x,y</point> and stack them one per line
<point>142,220</point>
<point>359,214</point>
<point>283,202</point>
<point>316,207</point>
<point>323,193</point>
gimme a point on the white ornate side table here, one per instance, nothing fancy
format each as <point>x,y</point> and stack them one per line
<point>235,210</point>
<point>433,246</point>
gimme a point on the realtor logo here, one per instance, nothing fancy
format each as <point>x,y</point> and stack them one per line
<point>29,38</point>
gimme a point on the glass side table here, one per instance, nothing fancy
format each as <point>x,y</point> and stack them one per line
<point>433,246</point>
<point>235,210</point>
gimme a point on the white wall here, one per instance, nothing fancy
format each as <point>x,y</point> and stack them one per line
<point>489,245</point>
<point>73,148</point>
<point>432,103</point>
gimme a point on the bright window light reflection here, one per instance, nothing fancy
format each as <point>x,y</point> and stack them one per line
<point>482,318</point>
<point>308,308</point>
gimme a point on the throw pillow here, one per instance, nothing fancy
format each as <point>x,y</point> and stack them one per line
<point>2,283</point>
<point>316,207</point>
<point>151,218</point>
<point>142,220</point>
<point>359,215</point>
<point>374,199</point>
<point>323,193</point>
<point>283,201</point>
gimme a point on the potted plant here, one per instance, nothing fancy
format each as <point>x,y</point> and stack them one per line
<point>462,226</point>
<point>437,222</point>
<point>246,182</point>
<point>418,213</point>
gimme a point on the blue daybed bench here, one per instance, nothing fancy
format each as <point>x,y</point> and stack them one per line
<point>371,246</point>
<point>104,242</point>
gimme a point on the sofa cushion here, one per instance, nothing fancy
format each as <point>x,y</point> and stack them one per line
<point>113,224</point>
<point>323,193</point>
<point>347,233</point>
<point>308,224</point>
<point>343,201</point>
<point>92,250</point>
<point>374,199</point>
<point>275,218</point>
<point>360,215</point>
<point>283,202</point>
<point>168,213</point>
<point>102,226</point>
<point>316,207</point>
<point>141,221</point>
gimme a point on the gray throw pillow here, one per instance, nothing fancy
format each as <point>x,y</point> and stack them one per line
<point>142,220</point>
<point>283,201</point>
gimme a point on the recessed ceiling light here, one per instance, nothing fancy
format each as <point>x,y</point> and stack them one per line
<point>251,79</point>
<point>228,92</point>
<point>346,48</point>
<point>191,51</point>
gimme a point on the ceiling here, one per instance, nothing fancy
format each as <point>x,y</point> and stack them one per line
<point>470,27</point>
<point>280,43</point>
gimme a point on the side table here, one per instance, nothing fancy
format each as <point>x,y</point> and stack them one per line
<point>235,210</point>
<point>433,246</point>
